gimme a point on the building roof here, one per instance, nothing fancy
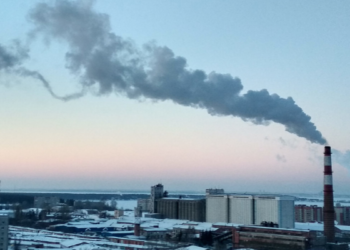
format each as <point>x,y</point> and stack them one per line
<point>72,243</point>
<point>194,248</point>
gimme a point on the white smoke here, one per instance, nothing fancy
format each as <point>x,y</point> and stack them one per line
<point>104,59</point>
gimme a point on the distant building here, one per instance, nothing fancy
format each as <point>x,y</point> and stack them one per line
<point>276,238</point>
<point>210,191</point>
<point>276,209</point>
<point>143,205</point>
<point>43,202</point>
<point>183,209</point>
<point>168,208</point>
<point>149,205</point>
<point>4,227</point>
<point>160,206</point>
<point>342,214</point>
<point>251,209</point>
<point>192,209</point>
<point>304,213</point>
<point>156,193</point>
<point>118,213</point>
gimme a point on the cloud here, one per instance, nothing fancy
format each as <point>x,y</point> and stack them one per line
<point>342,158</point>
<point>287,143</point>
<point>281,158</point>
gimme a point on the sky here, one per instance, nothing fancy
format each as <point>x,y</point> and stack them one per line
<point>240,95</point>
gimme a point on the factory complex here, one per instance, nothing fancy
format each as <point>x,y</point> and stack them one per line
<point>164,221</point>
<point>218,206</point>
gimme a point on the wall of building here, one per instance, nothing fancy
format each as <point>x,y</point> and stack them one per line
<point>169,208</point>
<point>156,193</point>
<point>241,209</point>
<point>183,209</point>
<point>342,214</point>
<point>251,209</point>
<point>143,204</point>
<point>217,208</point>
<point>266,209</point>
<point>193,210</point>
<point>286,212</point>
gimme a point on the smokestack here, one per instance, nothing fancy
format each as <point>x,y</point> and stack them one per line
<point>328,207</point>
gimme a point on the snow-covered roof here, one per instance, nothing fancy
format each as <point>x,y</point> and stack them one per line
<point>72,243</point>
<point>343,228</point>
<point>194,248</point>
<point>155,229</point>
<point>309,226</point>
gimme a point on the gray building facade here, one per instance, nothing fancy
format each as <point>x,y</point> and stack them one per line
<point>4,228</point>
<point>183,209</point>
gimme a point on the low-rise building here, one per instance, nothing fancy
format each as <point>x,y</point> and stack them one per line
<point>4,228</point>
<point>254,236</point>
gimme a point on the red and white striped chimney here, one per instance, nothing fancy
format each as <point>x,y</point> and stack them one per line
<point>328,207</point>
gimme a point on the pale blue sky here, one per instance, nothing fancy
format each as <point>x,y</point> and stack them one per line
<point>291,48</point>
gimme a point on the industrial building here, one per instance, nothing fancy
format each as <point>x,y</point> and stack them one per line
<point>217,208</point>
<point>276,238</point>
<point>182,209</point>
<point>250,209</point>
<point>160,206</point>
<point>241,209</point>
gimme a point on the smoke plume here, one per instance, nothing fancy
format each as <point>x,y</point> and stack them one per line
<point>113,64</point>
<point>11,59</point>
<point>12,56</point>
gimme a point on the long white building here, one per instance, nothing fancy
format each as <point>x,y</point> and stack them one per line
<point>250,209</point>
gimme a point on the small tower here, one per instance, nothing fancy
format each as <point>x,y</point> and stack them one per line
<point>156,193</point>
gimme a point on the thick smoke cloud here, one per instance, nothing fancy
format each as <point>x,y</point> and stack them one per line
<point>103,59</point>
<point>114,64</point>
